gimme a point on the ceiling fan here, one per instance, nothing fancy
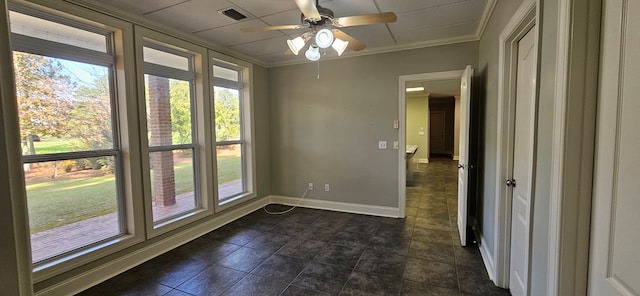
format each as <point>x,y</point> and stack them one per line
<point>325,30</point>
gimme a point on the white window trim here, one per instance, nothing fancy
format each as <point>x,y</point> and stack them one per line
<point>204,150</point>
<point>248,139</point>
<point>124,72</point>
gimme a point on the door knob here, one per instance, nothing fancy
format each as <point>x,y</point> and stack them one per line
<point>511,182</point>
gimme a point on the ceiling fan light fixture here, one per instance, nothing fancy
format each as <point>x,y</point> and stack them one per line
<point>296,44</point>
<point>313,53</point>
<point>324,38</point>
<point>339,45</point>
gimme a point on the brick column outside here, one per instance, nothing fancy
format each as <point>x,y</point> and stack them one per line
<point>160,128</point>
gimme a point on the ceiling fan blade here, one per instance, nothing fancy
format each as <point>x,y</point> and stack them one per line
<point>309,9</point>
<point>273,28</point>
<point>354,44</point>
<point>366,19</point>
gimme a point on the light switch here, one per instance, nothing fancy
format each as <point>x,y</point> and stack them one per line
<point>396,145</point>
<point>421,133</point>
<point>382,144</point>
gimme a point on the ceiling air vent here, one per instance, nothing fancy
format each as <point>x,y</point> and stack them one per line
<point>233,13</point>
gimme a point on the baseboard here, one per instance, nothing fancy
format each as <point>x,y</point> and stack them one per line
<point>338,206</point>
<point>106,271</point>
<point>423,160</point>
<point>487,258</point>
<point>456,157</point>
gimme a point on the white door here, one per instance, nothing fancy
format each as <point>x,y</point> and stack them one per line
<point>436,132</point>
<point>614,259</point>
<point>463,169</point>
<point>523,151</point>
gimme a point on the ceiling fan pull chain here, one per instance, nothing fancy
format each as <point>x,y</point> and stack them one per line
<point>318,69</point>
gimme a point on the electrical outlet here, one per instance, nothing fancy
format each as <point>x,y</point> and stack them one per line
<point>310,186</point>
<point>326,187</point>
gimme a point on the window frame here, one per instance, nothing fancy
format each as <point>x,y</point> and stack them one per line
<point>245,88</point>
<point>201,141</point>
<point>121,71</point>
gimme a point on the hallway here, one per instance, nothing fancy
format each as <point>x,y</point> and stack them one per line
<point>432,202</point>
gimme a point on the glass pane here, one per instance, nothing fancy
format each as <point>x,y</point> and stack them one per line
<point>166,59</point>
<point>230,177</point>
<point>227,113</point>
<point>225,73</point>
<point>38,28</point>
<point>172,183</point>
<point>72,203</point>
<point>168,111</point>
<point>63,106</point>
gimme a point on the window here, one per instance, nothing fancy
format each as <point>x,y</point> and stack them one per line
<point>72,154</point>
<point>232,132</point>
<point>172,94</point>
<point>122,139</point>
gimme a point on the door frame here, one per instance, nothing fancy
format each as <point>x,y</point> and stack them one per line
<point>520,24</point>
<point>402,126</point>
<point>574,116</point>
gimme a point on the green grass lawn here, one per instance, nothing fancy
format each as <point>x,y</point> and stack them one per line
<point>53,145</point>
<point>59,202</point>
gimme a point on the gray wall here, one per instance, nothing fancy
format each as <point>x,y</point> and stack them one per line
<point>487,81</point>
<point>261,129</point>
<point>326,130</point>
<point>417,118</point>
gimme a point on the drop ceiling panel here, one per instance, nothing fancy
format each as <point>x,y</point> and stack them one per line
<point>406,6</point>
<point>417,36</point>
<point>290,17</point>
<point>230,35</point>
<point>353,7</point>
<point>263,47</point>
<point>145,6</point>
<point>462,12</point>
<point>372,36</point>
<point>263,8</point>
<point>194,15</point>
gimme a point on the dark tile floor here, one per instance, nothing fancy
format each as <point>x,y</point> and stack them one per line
<point>315,252</point>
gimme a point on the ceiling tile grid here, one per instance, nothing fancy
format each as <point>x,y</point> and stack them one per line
<point>418,22</point>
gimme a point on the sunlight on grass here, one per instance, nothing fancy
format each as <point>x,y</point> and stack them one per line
<point>54,145</point>
<point>57,202</point>
<point>84,184</point>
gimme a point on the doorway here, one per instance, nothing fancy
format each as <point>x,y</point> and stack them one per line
<point>416,131</point>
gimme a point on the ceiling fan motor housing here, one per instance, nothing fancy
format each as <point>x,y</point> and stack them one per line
<point>325,14</point>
